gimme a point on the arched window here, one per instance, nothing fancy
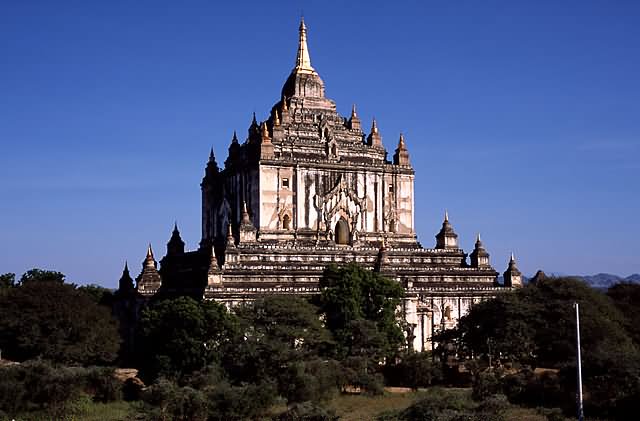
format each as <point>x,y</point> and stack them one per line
<point>342,232</point>
<point>447,313</point>
<point>286,222</point>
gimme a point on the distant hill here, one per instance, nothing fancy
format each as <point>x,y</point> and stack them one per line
<point>599,280</point>
<point>605,280</point>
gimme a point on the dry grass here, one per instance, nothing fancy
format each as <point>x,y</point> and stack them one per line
<point>362,408</point>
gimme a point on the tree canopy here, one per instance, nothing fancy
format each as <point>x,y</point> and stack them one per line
<point>360,308</point>
<point>535,327</point>
<point>182,335</point>
<point>43,317</point>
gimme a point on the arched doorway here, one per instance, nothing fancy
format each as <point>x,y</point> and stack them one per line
<point>286,222</point>
<point>342,232</point>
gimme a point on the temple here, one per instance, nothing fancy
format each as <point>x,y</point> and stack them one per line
<point>308,188</point>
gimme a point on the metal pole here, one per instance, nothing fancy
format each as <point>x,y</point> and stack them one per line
<point>580,409</point>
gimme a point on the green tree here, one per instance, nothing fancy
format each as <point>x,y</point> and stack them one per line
<point>179,336</point>
<point>351,296</point>
<point>626,297</point>
<point>99,294</point>
<point>40,275</point>
<point>536,326</point>
<point>7,280</point>
<point>281,340</point>
<point>52,320</point>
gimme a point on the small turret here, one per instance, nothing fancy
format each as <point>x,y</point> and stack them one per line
<point>284,111</point>
<point>175,246</point>
<point>254,130</point>
<point>401,157</point>
<point>125,284</point>
<point>354,121</point>
<point>214,274</point>
<point>247,229</point>
<point>374,138</point>
<point>234,149</point>
<point>479,256</point>
<point>231,242</point>
<point>212,166</point>
<point>446,238</point>
<point>512,276</point>
<point>149,280</point>
<point>266,147</point>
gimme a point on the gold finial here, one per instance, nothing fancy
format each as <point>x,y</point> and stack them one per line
<point>513,259</point>
<point>374,126</point>
<point>276,118</point>
<point>284,104</point>
<point>401,144</point>
<point>303,61</point>
<point>265,131</point>
<point>149,252</point>
<point>446,215</point>
<point>478,238</point>
<point>353,111</point>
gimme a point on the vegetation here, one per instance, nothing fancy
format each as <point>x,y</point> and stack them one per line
<point>535,327</point>
<point>289,358</point>
<point>43,317</point>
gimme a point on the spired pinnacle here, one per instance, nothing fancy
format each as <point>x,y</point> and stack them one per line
<point>446,215</point>
<point>401,144</point>
<point>303,61</point>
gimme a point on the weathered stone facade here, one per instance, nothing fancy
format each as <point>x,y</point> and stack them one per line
<point>308,188</point>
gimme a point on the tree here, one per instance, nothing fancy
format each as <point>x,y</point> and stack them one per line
<point>39,275</point>
<point>536,326</point>
<point>7,280</point>
<point>99,294</point>
<point>626,297</point>
<point>179,336</point>
<point>46,318</point>
<point>281,339</point>
<point>352,295</point>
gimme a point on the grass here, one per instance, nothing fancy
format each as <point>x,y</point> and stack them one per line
<point>89,411</point>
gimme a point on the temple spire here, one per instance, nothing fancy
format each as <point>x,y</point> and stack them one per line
<point>303,61</point>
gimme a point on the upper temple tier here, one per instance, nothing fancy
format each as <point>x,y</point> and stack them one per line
<point>308,174</point>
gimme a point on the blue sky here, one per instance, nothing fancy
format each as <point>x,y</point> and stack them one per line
<point>522,119</point>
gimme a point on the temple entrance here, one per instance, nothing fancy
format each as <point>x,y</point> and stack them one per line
<point>286,222</point>
<point>342,232</point>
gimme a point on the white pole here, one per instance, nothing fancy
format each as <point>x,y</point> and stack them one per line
<point>580,409</point>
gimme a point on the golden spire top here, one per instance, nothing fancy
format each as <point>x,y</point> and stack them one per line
<point>401,144</point>
<point>149,252</point>
<point>513,258</point>
<point>265,131</point>
<point>303,61</point>
<point>478,240</point>
<point>374,126</point>
<point>353,111</point>
<point>446,215</point>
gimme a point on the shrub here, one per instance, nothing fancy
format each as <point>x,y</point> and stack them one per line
<point>485,385</point>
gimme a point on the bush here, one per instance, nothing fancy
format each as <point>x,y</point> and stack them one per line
<point>307,411</point>
<point>485,385</point>
<point>414,370</point>
<point>102,384</point>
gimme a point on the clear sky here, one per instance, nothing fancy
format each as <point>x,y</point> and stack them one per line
<point>522,119</point>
